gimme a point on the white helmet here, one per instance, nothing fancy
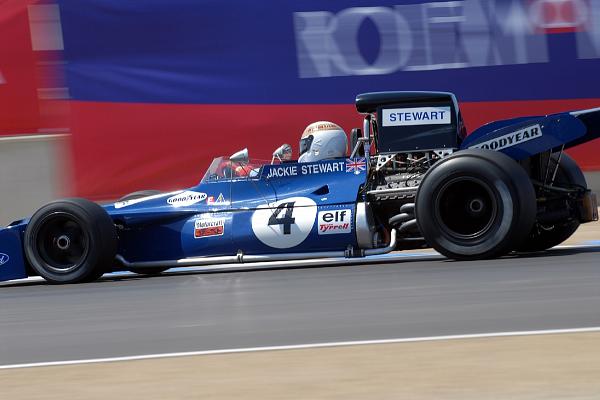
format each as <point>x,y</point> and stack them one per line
<point>322,140</point>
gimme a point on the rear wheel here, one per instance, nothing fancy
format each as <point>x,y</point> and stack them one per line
<point>138,195</point>
<point>543,237</point>
<point>475,204</point>
<point>70,241</point>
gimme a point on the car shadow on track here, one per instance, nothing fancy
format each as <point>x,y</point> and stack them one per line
<point>559,252</point>
<point>554,252</point>
<point>413,258</point>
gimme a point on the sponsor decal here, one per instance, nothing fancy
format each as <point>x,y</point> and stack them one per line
<point>282,171</point>
<point>318,127</point>
<point>335,221</point>
<point>186,198</point>
<point>121,204</point>
<point>511,139</point>
<point>219,201</point>
<point>208,227</point>
<point>4,258</point>
<point>329,39</point>
<point>416,116</point>
<point>356,165</point>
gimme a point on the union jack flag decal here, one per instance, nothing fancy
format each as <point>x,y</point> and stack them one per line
<point>356,165</point>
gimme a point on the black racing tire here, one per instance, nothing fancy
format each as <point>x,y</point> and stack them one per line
<point>139,194</point>
<point>542,238</point>
<point>70,241</point>
<point>568,175</point>
<point>475,204</point>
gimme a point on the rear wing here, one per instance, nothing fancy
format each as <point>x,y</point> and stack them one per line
<point>527,136</point>
<point>591,120</point>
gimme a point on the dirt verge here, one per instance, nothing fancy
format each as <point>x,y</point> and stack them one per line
<point>565,366</point>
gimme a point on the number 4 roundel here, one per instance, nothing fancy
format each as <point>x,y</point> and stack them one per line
<point>285,223</point>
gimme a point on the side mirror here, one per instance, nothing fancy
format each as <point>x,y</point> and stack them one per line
<point>282,153</point>
<point>240,156</point>
<point>355,143</point>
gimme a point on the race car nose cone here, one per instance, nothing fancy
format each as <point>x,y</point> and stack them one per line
<point>63,242</point>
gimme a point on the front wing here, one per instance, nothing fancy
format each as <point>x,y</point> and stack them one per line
<point>12,261</point>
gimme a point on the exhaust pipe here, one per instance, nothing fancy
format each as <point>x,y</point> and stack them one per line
<point>241,258</point>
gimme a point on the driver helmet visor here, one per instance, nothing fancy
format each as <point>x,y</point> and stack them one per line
<point>305,143</point>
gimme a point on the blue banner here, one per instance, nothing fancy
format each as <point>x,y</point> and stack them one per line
<point>291,52</point>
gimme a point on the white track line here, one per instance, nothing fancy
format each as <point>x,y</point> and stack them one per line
<point>300,347</point>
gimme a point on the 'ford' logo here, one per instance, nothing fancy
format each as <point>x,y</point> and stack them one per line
<point>4,258</point>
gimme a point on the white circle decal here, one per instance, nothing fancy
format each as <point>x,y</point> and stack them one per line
<point>285,223</point>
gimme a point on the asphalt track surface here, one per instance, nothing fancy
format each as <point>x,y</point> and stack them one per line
<point>421,296</point>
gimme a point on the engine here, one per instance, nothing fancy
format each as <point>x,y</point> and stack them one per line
<point>406,137</point>
<point>410,132</point>
<point>392,188</point>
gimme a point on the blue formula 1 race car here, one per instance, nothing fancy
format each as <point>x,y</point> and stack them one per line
<point>413,178</point>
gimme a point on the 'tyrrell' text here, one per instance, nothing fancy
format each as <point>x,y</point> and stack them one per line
<point>335,221</point>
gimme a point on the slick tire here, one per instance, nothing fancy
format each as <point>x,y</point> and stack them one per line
<point>70,241</point>
<point>568,175</point>
<point>138,195</point>
<point>475,204</point>
<point>542,238</point>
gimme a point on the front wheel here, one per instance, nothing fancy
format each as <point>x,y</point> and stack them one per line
<point>475,204</point>
<point>70,241</point>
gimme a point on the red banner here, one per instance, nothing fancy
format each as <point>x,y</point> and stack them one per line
<point>124,147</point>
<point>19,109</point>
